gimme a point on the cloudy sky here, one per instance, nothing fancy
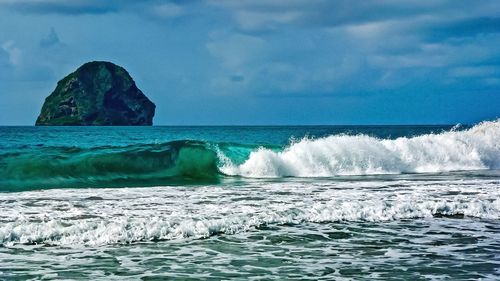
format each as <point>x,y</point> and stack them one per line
<point>224,62</point>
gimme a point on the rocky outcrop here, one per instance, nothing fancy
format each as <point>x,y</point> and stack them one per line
<point>97,94</point>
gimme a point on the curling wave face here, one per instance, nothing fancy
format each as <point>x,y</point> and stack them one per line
<point>138,165</point>
<point>196,162</point>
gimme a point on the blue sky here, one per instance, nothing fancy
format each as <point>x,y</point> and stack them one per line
<point>224,62</point>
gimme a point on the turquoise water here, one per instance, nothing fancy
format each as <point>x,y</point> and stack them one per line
<point>55,157</point>
<point>305,203</point>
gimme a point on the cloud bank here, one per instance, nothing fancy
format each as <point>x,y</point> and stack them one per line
<point>366,54</point>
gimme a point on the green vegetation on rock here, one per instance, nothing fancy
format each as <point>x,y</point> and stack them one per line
<point>100,94</point>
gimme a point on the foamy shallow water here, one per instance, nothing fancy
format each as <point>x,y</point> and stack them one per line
<point>409,226</point>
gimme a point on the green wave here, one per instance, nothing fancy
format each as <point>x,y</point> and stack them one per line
<point>172,163</point>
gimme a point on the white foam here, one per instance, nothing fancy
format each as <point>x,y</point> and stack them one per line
<point>472,149</point>
<point>68,217</point>
<point>126,230</point>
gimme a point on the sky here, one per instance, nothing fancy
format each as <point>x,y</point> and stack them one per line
<point>264,62</point>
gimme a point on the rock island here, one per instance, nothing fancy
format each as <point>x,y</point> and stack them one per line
<point>98,93</point>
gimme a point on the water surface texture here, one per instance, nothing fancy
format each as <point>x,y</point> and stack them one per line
<point>305,203</point>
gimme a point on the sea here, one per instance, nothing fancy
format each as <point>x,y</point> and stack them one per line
<point>250,203</point>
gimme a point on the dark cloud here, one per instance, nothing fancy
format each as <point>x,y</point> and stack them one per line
<point>74,7</point>
<point>4,57</point>
<point>5,66</point>
<point>237,78</point>
<point>80,7</point>
<point>52,39</point>
<point>321,46</point>
<point>462,28</point>
<point>263,14</point>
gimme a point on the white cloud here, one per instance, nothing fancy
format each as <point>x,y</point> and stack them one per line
<point>258,19</point>
<point>168,10</point>
<point>239,56</point>
<point>492,81</point>
<point>474,71</point>
<point>260,14</point>
<point>15,54</point>
<point>235,50</point>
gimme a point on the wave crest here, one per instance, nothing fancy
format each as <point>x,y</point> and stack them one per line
<point>472,149</point>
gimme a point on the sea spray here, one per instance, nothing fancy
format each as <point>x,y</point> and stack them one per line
<point>472,149</point>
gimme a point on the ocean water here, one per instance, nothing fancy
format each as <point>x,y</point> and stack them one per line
<point>240,203</point>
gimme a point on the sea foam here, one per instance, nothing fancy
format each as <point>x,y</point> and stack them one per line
<point>130,229</point>
<point>127,215</point>
<point>472,149</point>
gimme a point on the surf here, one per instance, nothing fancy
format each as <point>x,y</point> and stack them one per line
<point>95,217</point>
<point>473,149</point>
<point>194,162</point>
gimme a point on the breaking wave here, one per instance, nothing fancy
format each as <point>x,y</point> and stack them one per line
<point>193,162</point>
<point>472,149</point>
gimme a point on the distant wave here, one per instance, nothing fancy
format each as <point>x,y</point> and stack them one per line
<point>194,162</point>
<point>472,149</point>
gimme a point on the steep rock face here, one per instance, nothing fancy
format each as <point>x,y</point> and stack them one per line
<point>100,94</point>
